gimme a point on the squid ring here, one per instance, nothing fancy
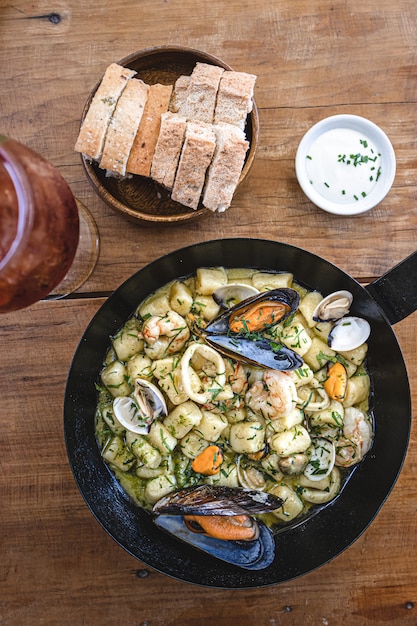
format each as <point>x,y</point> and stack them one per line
<point>319,404</point>
<point>218,382</point>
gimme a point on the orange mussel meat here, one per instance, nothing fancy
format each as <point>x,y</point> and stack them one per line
<point>229,528</point>
<point>258,316</point>
<point>336,382</point>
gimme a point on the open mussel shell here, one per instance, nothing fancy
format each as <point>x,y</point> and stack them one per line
<point>257,352</point>
<point>252,555</point>
<point>232,294</point>
<point>216,500</point>
<point>348,333</point>
<point>285,299</point>
<point>333,307</point>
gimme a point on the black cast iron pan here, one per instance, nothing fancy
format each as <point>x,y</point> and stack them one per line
<point>314,542</point>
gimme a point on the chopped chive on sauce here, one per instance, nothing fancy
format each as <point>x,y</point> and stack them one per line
<point>343,165</point>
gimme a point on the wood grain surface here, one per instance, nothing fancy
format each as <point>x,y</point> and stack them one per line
<point>312,59</point>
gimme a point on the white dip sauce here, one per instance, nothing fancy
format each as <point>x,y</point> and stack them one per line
<point>343,166</point>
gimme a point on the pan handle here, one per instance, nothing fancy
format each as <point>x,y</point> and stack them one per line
<point>396,290</point>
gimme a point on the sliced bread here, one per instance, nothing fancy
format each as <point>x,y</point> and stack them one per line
<point>234,98</point>
<point>196,155</point>
<point>225,167</point>
<point>179,94</point>
<point>92,134</point>
<point>168,149</point>
<point>201,93</point>
<point>141,154</point>
<point>123,126</point>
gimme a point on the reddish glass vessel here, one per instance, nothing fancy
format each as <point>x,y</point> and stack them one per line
<point>39,226</point>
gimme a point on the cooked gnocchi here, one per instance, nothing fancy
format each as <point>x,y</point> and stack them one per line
<point>293,432</point>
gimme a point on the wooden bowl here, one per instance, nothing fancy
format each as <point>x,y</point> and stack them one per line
<point>141,199</point>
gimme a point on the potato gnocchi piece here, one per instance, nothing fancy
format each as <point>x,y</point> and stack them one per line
<point>168,373</point>
<point>116,453</point>
<point>157,304</point>
<point>208,279</point>
<point>111,420</point>
<point>358,389</point>
<point>114,378</point>
<point>292,503</point>
<point>296,337</point>
<point>291,441</point>
<point>318,354</point>
<point>127,342</point>
<point>183,418</point>
<point>211,425</point>
<point>143,450</point>
<point>236,415</point>
<point>140,366</point>
<point>288,421</point>
<point>308,304</point>
<point>264,281</point>
<point>270,465</point>
<point>356,356</point>
<point>161,438</point>
<point>302,376</point>
<point>158,487</point>
<point>332,415</point>
<point>193,444</point>
<point>247,437</point>
<point>322,491</point>
<point>180,298</point>
<point>206,307</point>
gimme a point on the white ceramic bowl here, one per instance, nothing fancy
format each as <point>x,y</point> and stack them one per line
<point>345,164</point>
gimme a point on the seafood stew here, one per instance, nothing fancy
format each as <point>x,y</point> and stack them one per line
<point>298,549</point>
<point>229,379</point>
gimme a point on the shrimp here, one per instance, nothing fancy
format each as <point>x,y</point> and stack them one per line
<point>165,334</point>
<point>236,376</point>
<point>356,440</point>
<point>274,396</point>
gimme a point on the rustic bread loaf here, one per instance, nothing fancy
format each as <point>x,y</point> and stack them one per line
<point>141,154</point>
<point>123,126</point>
<point>234,98</point>
<point>225,168</point>
<point>196,155</point>
<point>93,130</point>
<point>168,149</point>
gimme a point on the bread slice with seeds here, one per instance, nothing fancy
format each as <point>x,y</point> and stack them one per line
<point>123,126</point>
<point>93,130</point>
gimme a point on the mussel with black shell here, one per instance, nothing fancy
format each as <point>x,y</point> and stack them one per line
<point>236,333</point>
<point>219,520</point>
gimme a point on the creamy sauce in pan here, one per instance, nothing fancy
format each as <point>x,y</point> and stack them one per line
<point>240,419</point>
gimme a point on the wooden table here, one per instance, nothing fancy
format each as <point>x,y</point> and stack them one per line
<point>312,59</point>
